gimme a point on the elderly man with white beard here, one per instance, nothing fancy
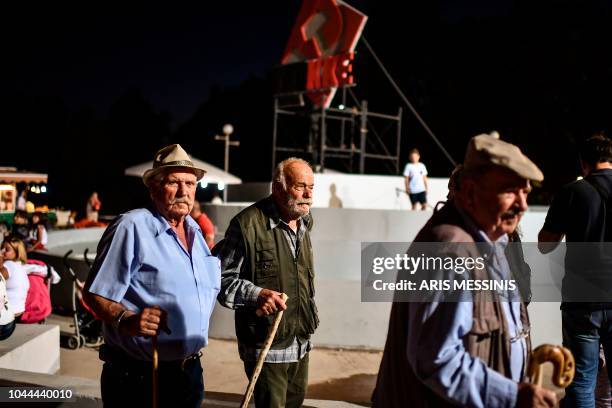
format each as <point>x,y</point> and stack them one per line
<point>267,252</point>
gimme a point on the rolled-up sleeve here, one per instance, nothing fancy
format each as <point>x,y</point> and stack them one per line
<point>235,292</point>
<point>115,262</point>
<point>440,360</point>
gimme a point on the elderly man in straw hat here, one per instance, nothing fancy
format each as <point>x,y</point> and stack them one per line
<point>154,276</point>
<point>473,352</point>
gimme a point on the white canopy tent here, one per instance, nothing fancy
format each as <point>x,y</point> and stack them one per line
<point>213,174</point>
<point>12,175</point>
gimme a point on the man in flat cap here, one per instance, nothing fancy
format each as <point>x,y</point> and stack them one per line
<point>471,352</point>
<point>154,278</point>
<point>581,213</point>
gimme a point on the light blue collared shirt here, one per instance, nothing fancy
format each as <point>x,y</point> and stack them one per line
<point>140,262</point>
<point>499,269</point>
<point>437,353</point>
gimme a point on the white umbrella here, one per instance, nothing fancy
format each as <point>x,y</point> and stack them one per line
<point>213,174</point>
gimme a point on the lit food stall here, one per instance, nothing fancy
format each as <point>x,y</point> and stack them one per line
<point>9,178</point>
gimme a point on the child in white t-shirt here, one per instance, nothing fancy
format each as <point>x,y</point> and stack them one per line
<point>415,177</point>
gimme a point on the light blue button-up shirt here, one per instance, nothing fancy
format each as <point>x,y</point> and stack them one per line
<point>438,355</point>
<point>141,263</point>
<point>436,352</point>
<point>499,269</point>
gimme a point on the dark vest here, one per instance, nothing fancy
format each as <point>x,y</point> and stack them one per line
<point>269,263</point>
<point>489,339</point>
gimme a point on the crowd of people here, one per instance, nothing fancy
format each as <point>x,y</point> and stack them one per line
<point>24,287</point>
<point>33,233</point>
<point>469,353</point>
<point>155,281</point>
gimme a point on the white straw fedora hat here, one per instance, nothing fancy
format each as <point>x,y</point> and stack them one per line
<point>173,156</point>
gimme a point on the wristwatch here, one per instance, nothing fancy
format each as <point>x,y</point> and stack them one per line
<point>118,319</point>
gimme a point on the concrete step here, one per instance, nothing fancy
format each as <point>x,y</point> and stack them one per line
<point>32,347</point>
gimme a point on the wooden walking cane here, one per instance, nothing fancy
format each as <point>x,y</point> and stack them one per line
<point>262,356</point>
<point>562,360</point>
<point>154,376</point>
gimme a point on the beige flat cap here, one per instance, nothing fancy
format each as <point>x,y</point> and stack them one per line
<point>486,150</point>
<point>172,156</point>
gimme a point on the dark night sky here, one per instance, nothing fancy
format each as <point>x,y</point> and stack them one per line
<point>89,91</point>
<point>174,55</point>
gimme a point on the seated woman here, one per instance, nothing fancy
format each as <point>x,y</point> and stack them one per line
<point>37,237</point>
<point>14,258</point>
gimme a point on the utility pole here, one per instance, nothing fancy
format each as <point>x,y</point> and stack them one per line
<point>228,129</point>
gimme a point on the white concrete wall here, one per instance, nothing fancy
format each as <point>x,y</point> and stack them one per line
<point>357,191</point>
<point>61,241</point>
<point>337,237</point>
<point>545,316</point>
<point>372,192</point>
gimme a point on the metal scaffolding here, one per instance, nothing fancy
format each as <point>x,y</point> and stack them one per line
<point>347,134</point>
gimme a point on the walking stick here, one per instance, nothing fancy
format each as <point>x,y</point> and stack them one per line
<point>262,356</point>
<point>562,360</point>
<point>154,376</point>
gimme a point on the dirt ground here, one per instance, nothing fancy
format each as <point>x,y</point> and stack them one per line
<point>341,375</point>
<point>334,374</point>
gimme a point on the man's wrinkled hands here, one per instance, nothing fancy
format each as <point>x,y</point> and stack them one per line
<point>147,323</point>
<point>269,302</point>
<point>530,395</point>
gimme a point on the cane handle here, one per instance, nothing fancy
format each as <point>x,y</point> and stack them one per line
<point>564,366</point>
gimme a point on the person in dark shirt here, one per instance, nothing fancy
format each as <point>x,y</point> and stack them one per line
<point>581,213</point>
<point>20,228</point>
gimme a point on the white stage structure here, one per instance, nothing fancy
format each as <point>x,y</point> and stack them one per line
<point>361,191</point>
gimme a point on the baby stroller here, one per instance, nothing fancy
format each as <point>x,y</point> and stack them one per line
<point>87,329</point>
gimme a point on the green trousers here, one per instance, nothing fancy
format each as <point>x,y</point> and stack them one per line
<point>280,384</point>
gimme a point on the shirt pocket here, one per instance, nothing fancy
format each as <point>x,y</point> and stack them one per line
<point>147,275</point>
<point>481,341</point>
<point>265,263</point>
<point>211,272</point>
